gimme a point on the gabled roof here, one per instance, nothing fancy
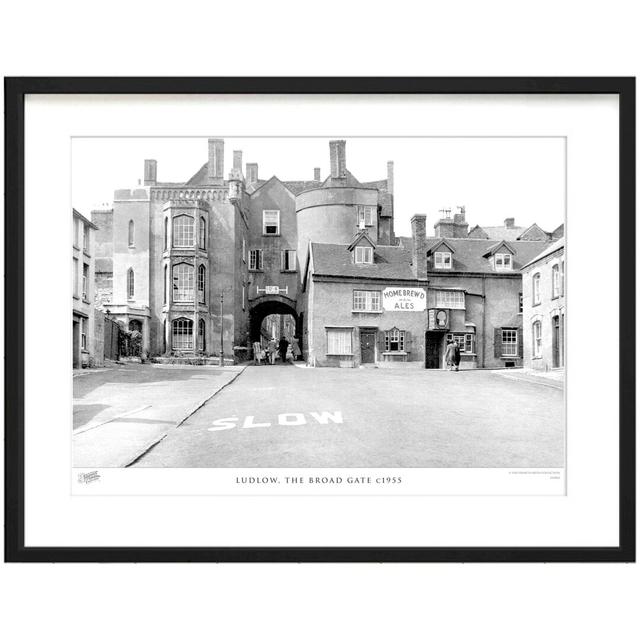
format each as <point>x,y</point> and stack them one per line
<point>271,180</point>
<point>500,233</point>
<point>498,245</point>
<point>547,251</point>
<point>88,222</point>
<point>390,262</point>
<point>437,245</point>
<point>349,181</point>
<point>363,235</point>
<point>533,228</point>
<point>478,231</point>
<point>470,254</point>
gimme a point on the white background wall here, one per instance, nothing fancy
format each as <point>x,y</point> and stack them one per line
<point>401,38</point>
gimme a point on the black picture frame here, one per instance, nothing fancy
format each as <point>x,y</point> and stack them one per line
<point>15,91</point>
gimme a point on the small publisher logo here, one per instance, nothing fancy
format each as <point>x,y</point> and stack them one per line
<point>86,478</point>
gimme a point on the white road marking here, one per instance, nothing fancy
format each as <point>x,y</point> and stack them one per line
<point>284,420</point>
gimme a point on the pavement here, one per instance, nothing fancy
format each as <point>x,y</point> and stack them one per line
<point>119,412</point>
<point>289,416</point>
<point>554,378</point>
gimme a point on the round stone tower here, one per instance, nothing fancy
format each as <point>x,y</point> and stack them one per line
<point>337,210</point>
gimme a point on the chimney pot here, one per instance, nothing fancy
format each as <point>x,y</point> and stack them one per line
<point>509,223</point>
<point>390,177</point>
<point>316,174</point>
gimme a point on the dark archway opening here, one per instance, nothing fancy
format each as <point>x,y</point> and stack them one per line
<point>274,318</point>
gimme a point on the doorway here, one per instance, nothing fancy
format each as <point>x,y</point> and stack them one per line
<point>557,347</point>
<point>367,346</point>
<point>76,344</point>
<point>432,343</point>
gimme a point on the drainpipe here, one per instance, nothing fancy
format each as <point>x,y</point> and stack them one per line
<point>484,302</point>
<point>484,315</point>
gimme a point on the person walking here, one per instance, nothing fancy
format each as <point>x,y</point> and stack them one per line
<point>449,354</point>
<point>290,354</point>
<point>456,356</point>
<point>282,348</point>
<point>272,347</point>
<point>257,352</point>
<point>295,347</point>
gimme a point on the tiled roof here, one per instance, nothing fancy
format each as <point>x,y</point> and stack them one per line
<point>469,253</point>
<point>200,176</point>
<point>390,262</point>
<point>295,186</point>
<point>351,181</point>
<point>298,186</point>
<point>503,233</point>
<point>376,184</point>
<point>548,250</point>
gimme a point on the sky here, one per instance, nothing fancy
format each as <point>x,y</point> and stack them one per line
<point>493,178</point>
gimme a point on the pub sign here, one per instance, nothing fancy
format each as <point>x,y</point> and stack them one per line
<point>438,319</point>
<point>404,299</point>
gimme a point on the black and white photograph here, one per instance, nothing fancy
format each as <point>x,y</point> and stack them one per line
<point>356,302</point>
<point>364,318</point>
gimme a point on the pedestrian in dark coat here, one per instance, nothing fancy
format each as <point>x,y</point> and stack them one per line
<point>282,348</point>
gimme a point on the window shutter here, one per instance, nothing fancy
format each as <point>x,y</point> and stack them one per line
<point>497,342</point>
<point>380,342</point>
<point>520,343</point>
<point>407,341</point>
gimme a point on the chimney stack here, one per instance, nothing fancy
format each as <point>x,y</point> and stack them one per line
<point>448,227</point>
<point>316,174</point>
<point>215,169</point>
<point>237,160</point>
<point>338,157</point>
<point>419,235</point>
<point>150,172</point>
<point>252,172</point>
<point>509,223</point>
<point>390,177</point>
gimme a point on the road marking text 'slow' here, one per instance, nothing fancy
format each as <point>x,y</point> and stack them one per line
<point>284,419</point>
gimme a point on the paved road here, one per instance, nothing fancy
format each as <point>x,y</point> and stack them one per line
<point>287,416</point>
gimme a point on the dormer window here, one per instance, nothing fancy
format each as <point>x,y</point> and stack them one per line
<point>366,216</point>
<point>442,260</point>
<point>503,261</point>
<point>364,255</point>
<point>271,223</point>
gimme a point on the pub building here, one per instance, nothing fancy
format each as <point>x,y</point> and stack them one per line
<point>364,305</point>
<point>368,304</point>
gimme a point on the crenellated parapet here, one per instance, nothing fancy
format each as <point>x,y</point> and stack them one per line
<point>207,195</point>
